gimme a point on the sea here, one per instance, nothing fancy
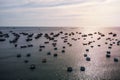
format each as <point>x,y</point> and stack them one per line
<point>59,53</point>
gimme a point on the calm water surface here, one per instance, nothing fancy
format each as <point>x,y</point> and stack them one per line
<point>98,68</point>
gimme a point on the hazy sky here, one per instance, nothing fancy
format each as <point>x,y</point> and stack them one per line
<point>60,13</point>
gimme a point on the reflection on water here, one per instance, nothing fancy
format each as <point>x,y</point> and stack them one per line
<point>75,43</point>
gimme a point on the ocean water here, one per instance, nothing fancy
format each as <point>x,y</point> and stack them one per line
<point>49,67</point>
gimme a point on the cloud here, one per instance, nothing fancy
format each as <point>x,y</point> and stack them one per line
<point>8,4</point>
<point>60,12</point>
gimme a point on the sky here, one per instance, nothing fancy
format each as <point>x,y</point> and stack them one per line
<point>62,13</point>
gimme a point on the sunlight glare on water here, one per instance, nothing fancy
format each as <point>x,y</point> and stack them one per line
<point>75,42</point>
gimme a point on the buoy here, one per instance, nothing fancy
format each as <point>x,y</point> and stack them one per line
<point>18,55</point>
<point>15,45</point>
<point>32,66</point>
<point>99,45</point>
<point>2,40</point>
<point>108,52</point>
<point>49,53</point>
<point>51,33</point>
<point>23,46</point>
<point>109,47</point>
<point>70,44</point>
<point>63,51</point>
<point>26,61</point>
<point>88,58</point>
<point>87,50</point>
<point>85,55</point>
<point>55,48</point>
<point>63,47</point>
<point>55,55</point>
<point>114,35</point>
<point>106,43</point>
<point>115,59</point>
<point>28,55</point>
<point>46,42</point>
<point>30,45</point>
<point>40,49</point>
<point>82,68</point>
<point>108,55</point>
<point>69,69</point>
<point>44,61</point>
<point>91,46</point>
